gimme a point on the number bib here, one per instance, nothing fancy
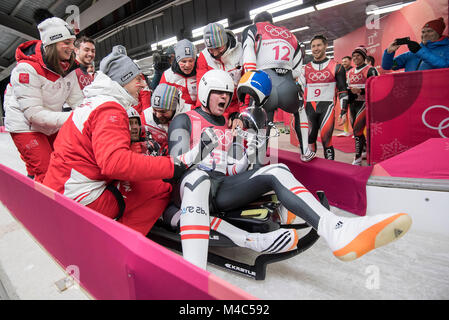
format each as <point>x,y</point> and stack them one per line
<point>321,91</point>
<point>321,84</point>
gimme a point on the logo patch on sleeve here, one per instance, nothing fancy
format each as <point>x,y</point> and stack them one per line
<point>24,78</point>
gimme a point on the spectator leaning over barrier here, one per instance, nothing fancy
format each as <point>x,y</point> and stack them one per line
<point>92,157</point>
<point>43,80</point>
<point>432,53</point>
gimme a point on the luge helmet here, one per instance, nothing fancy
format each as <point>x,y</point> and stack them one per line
<point>218,80</point>
<point>132,113</point>
<point>257,84</point>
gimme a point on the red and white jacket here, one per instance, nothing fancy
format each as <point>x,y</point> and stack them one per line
<point>159,131</point>
<point>38,94</point>
<point>93,146</point>
<point>186,85</point>
<point>230,61</point>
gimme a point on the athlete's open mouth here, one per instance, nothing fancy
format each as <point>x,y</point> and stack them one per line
<point>221,105</point>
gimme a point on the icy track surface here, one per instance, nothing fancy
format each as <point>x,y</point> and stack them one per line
<point>414,267</point>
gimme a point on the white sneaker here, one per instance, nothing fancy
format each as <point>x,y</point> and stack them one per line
<point>351,238</point>
<point>308,156</point>
<point>357,161</point>
<point>281,240</point>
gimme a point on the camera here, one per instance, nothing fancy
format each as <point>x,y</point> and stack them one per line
<point>401,41</point>
<point>162,59</point>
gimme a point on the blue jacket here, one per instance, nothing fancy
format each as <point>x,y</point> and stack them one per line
<point>433,55</point>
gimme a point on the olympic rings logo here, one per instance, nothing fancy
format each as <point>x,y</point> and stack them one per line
<point>224,137</point>
<point>443,123</point>
<point>355,78</point>
<point>321,76</point>
<point>85,81</point>
<point>277,32</point>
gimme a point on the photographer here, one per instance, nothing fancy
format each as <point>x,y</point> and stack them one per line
<point>162,61</point>
<point>432,53</point>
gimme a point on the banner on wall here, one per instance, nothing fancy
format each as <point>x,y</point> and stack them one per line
<point>404,110</point>
<point>380,31</point>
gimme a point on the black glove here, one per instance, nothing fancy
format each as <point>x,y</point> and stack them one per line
<point>209,141</point>
<point>234,115</point>
<point>413,46</point>
<point>180,169</point>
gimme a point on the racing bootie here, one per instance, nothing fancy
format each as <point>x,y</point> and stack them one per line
<point>351,238</point>
<point>286,216</point>
<point>281,240</point>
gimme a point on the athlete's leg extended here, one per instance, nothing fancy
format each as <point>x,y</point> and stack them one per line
<point>194,219</point>
<point>348,238</point>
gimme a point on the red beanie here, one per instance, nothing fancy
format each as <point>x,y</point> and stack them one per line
<point>437,25</point>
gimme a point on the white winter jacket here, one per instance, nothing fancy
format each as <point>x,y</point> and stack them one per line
<point>38,94</point>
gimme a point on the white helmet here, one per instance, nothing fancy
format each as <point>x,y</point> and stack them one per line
<point>214,80</point>
<point>132,113</point>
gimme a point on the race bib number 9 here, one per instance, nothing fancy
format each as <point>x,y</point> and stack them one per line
<point>321,91</point>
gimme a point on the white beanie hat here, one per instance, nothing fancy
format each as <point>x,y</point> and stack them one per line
<point>53,30</point>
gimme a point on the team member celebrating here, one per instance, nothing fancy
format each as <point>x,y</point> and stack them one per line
<point>324,79</point>
<point>206,185</point>
<point>165,104</point>
<point>182,73</point>
<point>222,52</point>
<point>356,79</point>
<point>85,56</point>
<point>276,50</point>
<point>41,83</point>
<point>92,154</point>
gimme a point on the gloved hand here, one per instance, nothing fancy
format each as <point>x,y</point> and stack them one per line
<point>413,46</point>
<point>153,148</point>
<point>209,141</point>
<point>180,169</point>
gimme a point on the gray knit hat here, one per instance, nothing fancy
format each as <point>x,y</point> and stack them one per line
<point>119,49</point>
<point>185,49</point>
<point>119,67</point>
<point>214,36</point>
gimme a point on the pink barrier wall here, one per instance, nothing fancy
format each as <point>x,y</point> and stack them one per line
<point>412,163</point>
<point>344,184</point>
<point>404,110</point>
<point>114,261</point>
